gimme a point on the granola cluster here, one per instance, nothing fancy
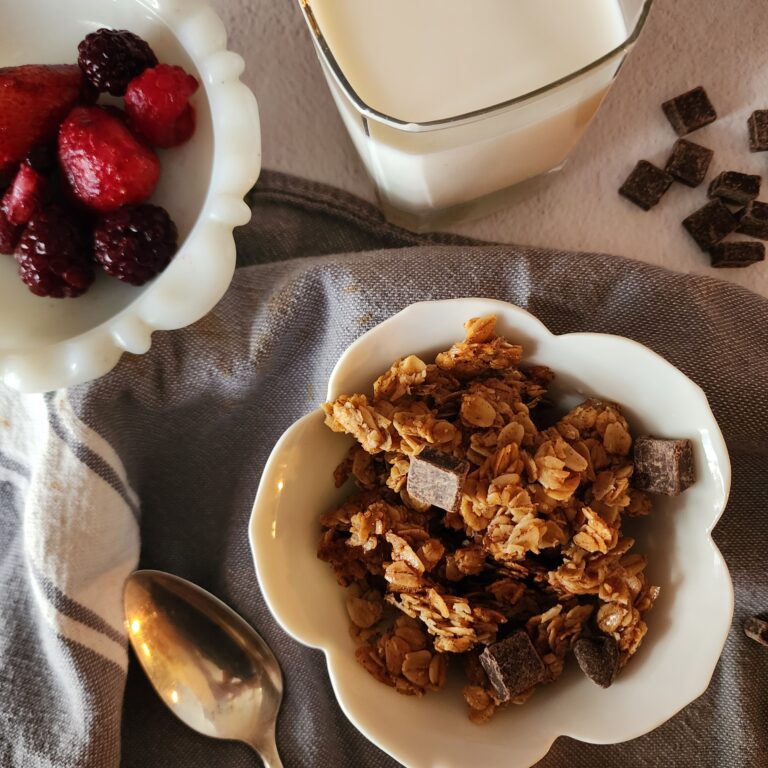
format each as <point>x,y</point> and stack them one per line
<point>535,541</point>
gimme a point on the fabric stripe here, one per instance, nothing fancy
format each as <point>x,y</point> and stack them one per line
<point>103,685</point>
<point>94,440</point>
<point>14,466</point>
<point>74,610</point>
<point>79,633</point>
<point>88,456</point>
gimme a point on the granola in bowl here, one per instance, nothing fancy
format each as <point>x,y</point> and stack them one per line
<point>676,441</point>
<point>481,535</point>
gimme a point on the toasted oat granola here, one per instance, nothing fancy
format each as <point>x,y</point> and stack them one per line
<point>536,542</point>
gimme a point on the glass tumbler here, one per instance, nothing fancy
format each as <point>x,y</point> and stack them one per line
<point>439,172</point>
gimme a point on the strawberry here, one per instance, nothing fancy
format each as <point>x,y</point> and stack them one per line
<point>104,164</point>
<point>26,195</point>
<point>34,99</point>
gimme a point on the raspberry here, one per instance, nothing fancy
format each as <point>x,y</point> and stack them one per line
<point>52,258</point>
<point>135,243</point>
<point>157,105</point>
<point>111,58</point>
<point>105,165</point>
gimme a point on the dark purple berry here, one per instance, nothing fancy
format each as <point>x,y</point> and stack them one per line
<point>9,234</point>
<point>52,255</point>
<point>111,58</point>
<point>43,158</point>
<point>135,243</point>
<point>6,177</point>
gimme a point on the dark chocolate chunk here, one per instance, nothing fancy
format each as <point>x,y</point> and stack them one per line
<point>756,629</point>
<point>437,478</point>
<point>737,254</point>
<point>598,658</point>
<point>512,665</point>
<point>758,130</point>
<point>735,187</point>
<point>710,224</point>
<point>663,466</point>
<point>753,220</point>
<point>689,162</point>
<point>689,111</point>
<point>646,185</point>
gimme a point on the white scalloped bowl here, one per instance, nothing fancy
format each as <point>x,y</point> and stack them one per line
<point>687,627</point>
<point>50,343</point>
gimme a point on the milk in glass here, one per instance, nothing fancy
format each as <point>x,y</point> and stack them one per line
<point>416,82</point>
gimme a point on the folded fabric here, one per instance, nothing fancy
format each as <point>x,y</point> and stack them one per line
<point>170,447</point>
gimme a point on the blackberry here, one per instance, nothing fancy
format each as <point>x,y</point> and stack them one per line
<point>6,177</point>
<point>9,234</point>
<point>135,243</point>
<point>52,257</point>
<point>111,58</point>
<point>43,158</point>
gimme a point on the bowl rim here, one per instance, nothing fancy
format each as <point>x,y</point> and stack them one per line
<point>171,301</point>
<point>330,649</point>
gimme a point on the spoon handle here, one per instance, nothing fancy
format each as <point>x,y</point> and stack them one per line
<point>266,748</point>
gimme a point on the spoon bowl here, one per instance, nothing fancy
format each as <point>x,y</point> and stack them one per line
<point>210,667</point>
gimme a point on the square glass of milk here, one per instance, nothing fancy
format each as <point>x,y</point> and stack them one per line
<point>456,105</point>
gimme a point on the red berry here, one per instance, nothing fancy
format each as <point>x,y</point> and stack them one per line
<point>111,58</point>
<point>135,243</point>
<point>26,195</point>
<point>157,105</point>
<point>9,234</point>
<point>52,257</point>
<point>33,102</point>
<point>105,165</point>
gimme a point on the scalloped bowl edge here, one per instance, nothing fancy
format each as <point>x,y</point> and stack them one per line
<point>343,678</point>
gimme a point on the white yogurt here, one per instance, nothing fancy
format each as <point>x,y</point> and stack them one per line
<point>431,60</point>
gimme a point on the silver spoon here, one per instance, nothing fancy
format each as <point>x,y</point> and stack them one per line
<point>209,666</point>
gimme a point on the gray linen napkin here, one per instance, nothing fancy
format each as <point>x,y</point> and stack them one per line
<point>183,432</point>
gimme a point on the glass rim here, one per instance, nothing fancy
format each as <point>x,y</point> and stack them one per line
<point>467,117</point>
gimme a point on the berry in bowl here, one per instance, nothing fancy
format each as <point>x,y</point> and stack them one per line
<point>127,144</point>
<point>518,528</point>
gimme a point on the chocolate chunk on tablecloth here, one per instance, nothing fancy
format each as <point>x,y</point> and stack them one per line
<point>598,658</point>
<point>689,162</point>
<point>735,187</point>
<point>437,478</point>
<point>645,185</point>
<point>663,465</point>
<point>737,253</point>
<point>710,224</point>
<point>753,220</point>
<point>512,665</point>
<point>689,111</point>
<point>757,124</point>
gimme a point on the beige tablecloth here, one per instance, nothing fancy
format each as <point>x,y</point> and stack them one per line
<point>721,45</point>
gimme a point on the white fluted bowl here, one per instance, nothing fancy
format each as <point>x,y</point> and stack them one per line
<point>50,343</point>
<point>687,627</point>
